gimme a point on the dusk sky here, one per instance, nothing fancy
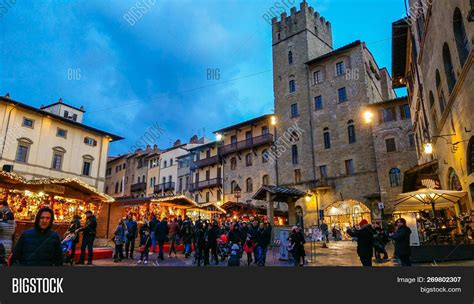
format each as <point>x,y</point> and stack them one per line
<point>155,72</point>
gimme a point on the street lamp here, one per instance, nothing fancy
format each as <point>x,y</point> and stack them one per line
<point>273,120</point>
<point>368,116</point>
<point>428,148</point>
<point>219,137</point>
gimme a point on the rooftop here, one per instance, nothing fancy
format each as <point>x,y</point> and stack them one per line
<point>243,124</point>
<point>334,52</point>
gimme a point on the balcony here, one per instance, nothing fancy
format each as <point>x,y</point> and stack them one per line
<point>164,187</point>
<point>207,161</point>
<point>247,144</point>
<point>215,182</point>
<point>138,187</point>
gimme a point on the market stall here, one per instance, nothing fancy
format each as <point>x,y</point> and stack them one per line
<point>439,231</point>
<point>67,197</point>
<point>246,211</point>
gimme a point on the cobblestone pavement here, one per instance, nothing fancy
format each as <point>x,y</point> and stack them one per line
<point>341,253</point>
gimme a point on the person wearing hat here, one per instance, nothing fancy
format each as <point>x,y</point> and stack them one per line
<point>365,241</point>
<point>88,236</point>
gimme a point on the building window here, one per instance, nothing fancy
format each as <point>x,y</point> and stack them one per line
<point>340,68</point>
<point>108,172</point>
<point>411,140</point>
<point>342,94</point>
<point>265,130</point>
<point>57,161</point>
<point>395,177</point>
<point>233,140</point>
<point>292,86</point>
<point>294,154</point>
<point>86,168</point>
<point>317,77</point>
<point>266,180</point>
<point>66,114</point>
<point>29,123</point>
<point>61,133</point>
<point>74,117</point>
<point>290,57</point>
<point>90,141</point>
<point>116,187</point>
<point>470,156</point>
<point>390,145</point>
<point>165,164</point>
<point>323,171</point>
<point>171,162</point>
<point>327,139</point>
<point>294,110</point>
<point>405,111</point>
<point>208,197</point>
<point>233,163</point>
<point>249,185</point>
<point>23,149</point>
<point>462,42</point>
<point>318,103</point>
<point>448,68</point>
<point>233,185</point>
<point>387,115</point>
<point>351,131</point>
<point>439,89</point>
<point>248,160</point>
<point>265,156</point>
<point>349,167</point>
<point>298,176</point>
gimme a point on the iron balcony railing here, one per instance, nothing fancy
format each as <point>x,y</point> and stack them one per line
<point>214,182</point>
<point>168,186</point>
<point>207,161</point>
<point>138,187</point>
<point>247,144</point>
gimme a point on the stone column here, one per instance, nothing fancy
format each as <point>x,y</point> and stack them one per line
<point>291,213</point>
<point>270,208</point>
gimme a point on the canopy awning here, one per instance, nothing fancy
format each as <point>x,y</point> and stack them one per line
<point>11,180</point>
<point>68,188</point>
<point>180,201</point>
<point>279,193</point>
<point>426,199</point>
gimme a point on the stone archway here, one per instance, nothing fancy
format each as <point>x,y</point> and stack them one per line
<point>343,214</point>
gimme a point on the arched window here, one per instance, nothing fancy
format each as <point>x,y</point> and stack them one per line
<point>265,156</point>
<point>395,177</point>
<point>470,156</point>
<point>233,163</point>
<point>448,68</point>
<point>462,43</point>
<point>441,99</point>
<point>139,179</point>
<point>453,180</point>
<point>143,179</point>
<point>290,57</point>
<point>165,163</point>
<point>351,131</point>
<point>248,160</point>
<point>327,139</point>
<point>292,86</point>
<point>249,185</point>
<point>233,184</point>
<point>266,180</point>
<point>434,116</point>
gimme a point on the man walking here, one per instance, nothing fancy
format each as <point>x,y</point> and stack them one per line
<point>402,241</point>
<point>40,246</point>
<point>88,236</point>
<point>162,236</point>
<point>325,231</point>
<point>153,224</point>
<point>365,241</point>
<point>132,234</point>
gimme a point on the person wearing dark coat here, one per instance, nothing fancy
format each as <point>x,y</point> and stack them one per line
<point>132,228</point>
<point>262,240</point>
<point>40,246</point>
<point>402,241</point>
<point>199,241</point>
<point>187,235</point>
<point>297,245</point>
<point>153,224</point>
<point>88,237</point>
<point>365,241</point>
<point>161,233</point>
<point>211,235</point>
<point>73,226</point>
<point>145,243</point>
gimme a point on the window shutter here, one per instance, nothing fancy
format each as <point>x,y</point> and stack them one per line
<point>95,143</point>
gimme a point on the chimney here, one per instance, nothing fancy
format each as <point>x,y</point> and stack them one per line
<point>194,140</point>
<point>155,147</point>
<point>148,148</point>
<point>138,150</point>
<point>60,100</point>
<point>82,108</point>
<point>7,95</point>
<point>177,143</point>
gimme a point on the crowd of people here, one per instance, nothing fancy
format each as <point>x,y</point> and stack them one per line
<point>203,240</point>
<point>372,239</point>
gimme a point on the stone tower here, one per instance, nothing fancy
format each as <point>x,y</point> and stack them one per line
<point>296,39</point>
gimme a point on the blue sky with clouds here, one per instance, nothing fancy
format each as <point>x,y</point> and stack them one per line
<point>132,77</point>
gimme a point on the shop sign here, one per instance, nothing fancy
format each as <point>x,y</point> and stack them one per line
<point>381,205</point>
<point>55,189</point>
